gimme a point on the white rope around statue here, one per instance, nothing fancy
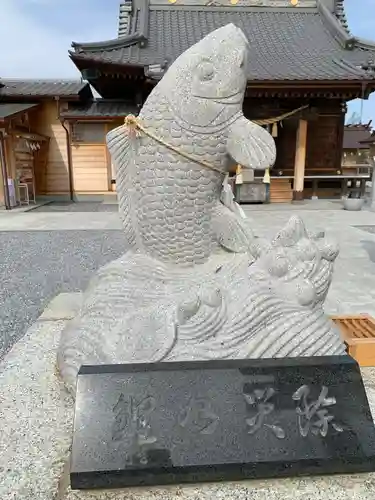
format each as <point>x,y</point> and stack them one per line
<point>227,196</point>
<point>134,126</point>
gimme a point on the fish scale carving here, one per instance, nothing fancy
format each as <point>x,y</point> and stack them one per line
<point>174,197</point>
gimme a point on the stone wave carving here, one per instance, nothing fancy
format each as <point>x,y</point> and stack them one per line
<point>138,309</point>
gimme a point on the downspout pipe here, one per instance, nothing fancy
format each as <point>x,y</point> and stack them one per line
<point>4,172</point>
<point>70,161</point>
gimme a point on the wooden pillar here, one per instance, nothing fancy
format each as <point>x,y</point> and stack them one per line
<point>300,161</point>
<point>10,146</point>
<point>4,200</point>
<point>372,160</point>
<point>340,140</point>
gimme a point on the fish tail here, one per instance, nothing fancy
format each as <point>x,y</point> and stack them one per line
<point>120,148</point>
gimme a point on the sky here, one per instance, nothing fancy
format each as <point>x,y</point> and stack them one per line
<point>35,36</point>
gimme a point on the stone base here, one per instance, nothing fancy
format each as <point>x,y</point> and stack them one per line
<point>298,196</point>
<point>36,429</point>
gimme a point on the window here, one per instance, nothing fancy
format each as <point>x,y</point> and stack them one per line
<point>89,133</point>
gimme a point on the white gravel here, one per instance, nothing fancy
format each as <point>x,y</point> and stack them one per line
<point>37,265</point>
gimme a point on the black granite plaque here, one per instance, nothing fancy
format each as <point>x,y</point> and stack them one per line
<point>219,420</point>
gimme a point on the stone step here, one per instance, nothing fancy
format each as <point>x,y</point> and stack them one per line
<point>281,191</point>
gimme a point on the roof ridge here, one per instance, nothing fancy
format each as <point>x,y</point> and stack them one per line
<point>97,100</point>
<point>359,126</point>
<point>33,88</point>
<point>234,8</point>
<point>346,40</point>
<point>340,13</point>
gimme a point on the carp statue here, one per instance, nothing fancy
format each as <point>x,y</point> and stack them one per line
<point>195,283</point>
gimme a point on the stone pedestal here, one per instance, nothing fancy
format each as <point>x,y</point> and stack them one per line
<point>37,419</point>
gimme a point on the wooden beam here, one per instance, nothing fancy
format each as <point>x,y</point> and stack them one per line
<point>300,161</point>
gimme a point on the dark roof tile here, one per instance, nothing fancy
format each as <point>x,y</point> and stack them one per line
<point>101,108</point>
<point>285,44</point>
<point>354,134</point>
<point>369,140</point>
<point>41,88</point>
<point>9,109</point>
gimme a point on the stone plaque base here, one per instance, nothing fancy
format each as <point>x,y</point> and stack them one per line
<point>219,420</point>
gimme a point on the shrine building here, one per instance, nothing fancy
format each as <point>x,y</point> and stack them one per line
<point>304,66</point>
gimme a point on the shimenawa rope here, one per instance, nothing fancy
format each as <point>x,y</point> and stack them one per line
<point>135,126</point>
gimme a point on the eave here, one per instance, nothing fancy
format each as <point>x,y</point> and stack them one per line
<point>72,118</point>
<point>364,44</point>
<point>4,120</point>
<point>115,43</point>
<point>138,36</point>
<point>39,98</point>
<point>84,62</point>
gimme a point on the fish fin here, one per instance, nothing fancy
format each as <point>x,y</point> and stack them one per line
<point>232,232</point>
<point>121,149</point>
<point>250,145</point>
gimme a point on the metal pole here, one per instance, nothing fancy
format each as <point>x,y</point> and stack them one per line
<point>4,172</point>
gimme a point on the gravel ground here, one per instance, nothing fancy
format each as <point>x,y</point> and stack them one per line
<point>77,207</point>
<point>36,266</point>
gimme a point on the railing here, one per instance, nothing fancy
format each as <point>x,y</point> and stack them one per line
<point>360,168</point>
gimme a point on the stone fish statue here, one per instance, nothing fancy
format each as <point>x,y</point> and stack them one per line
<point>195,282</point>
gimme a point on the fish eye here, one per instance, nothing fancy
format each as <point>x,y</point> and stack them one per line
<point>206,72</point>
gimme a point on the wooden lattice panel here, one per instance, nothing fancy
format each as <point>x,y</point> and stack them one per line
<point>359,335</point>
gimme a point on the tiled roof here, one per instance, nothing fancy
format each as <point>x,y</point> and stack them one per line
<point>8,110</point>
<point>285,44</point>
<point>41,88</point>
<point>370,140</point>
<point>354,134</point>
<point>101,108</point>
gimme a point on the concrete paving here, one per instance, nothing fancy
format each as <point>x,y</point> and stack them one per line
<point>58,221</point>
